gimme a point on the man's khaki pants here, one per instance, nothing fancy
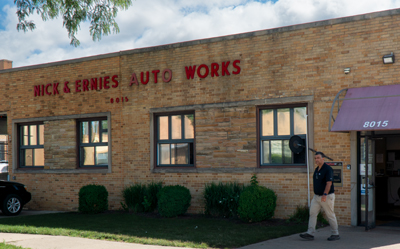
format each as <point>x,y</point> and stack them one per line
<point>328,207</point>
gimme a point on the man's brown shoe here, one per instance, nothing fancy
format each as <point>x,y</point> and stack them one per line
<point>307,236</point>
<point>334,237</point>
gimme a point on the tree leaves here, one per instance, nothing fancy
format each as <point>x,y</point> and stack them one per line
<point>100,13</point>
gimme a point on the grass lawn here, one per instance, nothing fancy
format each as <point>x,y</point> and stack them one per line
<point>186,231</point>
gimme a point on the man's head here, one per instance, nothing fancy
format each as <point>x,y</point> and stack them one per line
<point>319,159</point>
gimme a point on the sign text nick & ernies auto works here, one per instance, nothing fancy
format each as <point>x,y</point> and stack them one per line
<point>202,71</point>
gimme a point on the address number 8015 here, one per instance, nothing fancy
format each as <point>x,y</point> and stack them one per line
<point>372,124</point>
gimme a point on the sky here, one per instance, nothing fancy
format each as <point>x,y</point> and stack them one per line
<point>157,22</point>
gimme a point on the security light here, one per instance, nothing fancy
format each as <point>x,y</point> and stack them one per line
<point>388,59</point>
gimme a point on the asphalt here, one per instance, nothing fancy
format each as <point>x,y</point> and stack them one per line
<point>351,238</point>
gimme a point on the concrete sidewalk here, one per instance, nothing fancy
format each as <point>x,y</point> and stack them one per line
<point>351,238</point>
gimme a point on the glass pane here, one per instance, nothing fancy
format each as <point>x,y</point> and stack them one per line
<point>164,154</point>
<point>176,123</point>
<point>25,134</point>
<point>95,133</point>
<point>300,123</point>
<point>28,157</point>
<point>88,156</point>
<point>163,127</point>
<point>41,134</point>
<point>265,148</point>
<point>85,132</point>
<point>287,153</point>
<point>189,126</point>
<point>104,125</point>
<point>104,137</point>
<point>283,121</point>
<point>267,120</point>
<point>39,157</point>
<point>179,153</point>
<point>33,135</point>
<point>276,151</point>
<point>102,155</point>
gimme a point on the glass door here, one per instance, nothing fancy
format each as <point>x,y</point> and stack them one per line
<point>367,182</point>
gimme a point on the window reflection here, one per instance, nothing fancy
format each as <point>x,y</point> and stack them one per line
<point>163,127</point>
<point>300,122</point>
<point>276,151</point>
<point>176,127</point>
<point>88,155</point>
<point>41,134</point>
<point>283,121</point>
<point>266,154</point>
<point>189,126</point>
<point>102,155</point>
<point>179,153</point>
<point>85,132</point>
<point>95,132</point>
<point>267,119</point>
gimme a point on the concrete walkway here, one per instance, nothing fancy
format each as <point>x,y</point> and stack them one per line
<point>351,238</point>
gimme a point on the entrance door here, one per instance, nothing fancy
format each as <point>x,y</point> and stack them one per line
<point>367,182</point>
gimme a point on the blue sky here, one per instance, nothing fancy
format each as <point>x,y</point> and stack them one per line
<point>156,22</point>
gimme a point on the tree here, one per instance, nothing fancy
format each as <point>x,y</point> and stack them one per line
<point>100,13</point>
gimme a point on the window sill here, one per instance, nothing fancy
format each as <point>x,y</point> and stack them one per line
<point>297,169</point>
<point>62,171</point>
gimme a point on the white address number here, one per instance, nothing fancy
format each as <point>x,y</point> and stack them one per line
<point>372,124</point>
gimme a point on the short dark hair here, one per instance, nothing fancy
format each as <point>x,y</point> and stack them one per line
<point>319,153</point>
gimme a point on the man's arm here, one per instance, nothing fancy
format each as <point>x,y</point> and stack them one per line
<point>326,191</point>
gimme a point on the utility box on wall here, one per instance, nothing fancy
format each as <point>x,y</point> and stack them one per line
<point>337,173</point>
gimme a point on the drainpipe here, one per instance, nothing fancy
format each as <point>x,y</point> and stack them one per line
<point>308,166</point>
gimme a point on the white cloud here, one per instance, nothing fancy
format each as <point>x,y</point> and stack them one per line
<point>160,22</point>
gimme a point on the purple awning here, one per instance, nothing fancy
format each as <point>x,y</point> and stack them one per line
<point>369,109</point>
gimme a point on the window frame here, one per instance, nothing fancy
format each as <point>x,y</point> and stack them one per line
<point>80,145</point>
<point>261,138</point>
<point>157,141</point>
<point>21,147</point>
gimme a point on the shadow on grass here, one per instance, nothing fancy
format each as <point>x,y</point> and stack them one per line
<point>186,231</point>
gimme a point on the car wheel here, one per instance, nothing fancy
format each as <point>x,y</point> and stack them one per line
<point>12,205</point>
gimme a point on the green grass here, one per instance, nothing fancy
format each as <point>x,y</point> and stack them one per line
<point>7,246</point>
<point>187,231</point>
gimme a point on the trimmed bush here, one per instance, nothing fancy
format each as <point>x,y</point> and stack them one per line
<point>256,203</point>
<point>173,200</point>
<point>93,199</point>
<point>141,198</point>
<point>222,199</point>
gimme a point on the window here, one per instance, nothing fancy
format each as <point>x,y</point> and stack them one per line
<point>93,143</point>
<point>277,126</point>
<point>175,139</point>
<point>31,151</point>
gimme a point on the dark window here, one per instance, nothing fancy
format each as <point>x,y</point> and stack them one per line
<point>31,140</point>
<point>93,142</point>
<point>175,139</point>
<point>277,126</point>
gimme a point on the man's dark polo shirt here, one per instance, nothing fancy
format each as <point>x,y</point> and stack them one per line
<point>325,174</point>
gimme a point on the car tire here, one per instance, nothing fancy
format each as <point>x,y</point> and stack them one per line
<point>12,205</point>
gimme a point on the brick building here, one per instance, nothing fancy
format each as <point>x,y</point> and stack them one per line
<point>219,109</point>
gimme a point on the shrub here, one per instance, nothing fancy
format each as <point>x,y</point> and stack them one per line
<point>257,203</point>
<point>173,200</point>
<point>93,199</point>
<point>302,214</point>
<point>222,199</point>
<point>141,198</point>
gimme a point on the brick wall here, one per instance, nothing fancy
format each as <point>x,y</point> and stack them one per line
<point>277,66</point>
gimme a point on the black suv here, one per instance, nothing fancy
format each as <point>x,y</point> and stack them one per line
<point>13,197</point>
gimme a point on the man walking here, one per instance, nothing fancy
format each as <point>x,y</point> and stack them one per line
<point>324,197</point>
